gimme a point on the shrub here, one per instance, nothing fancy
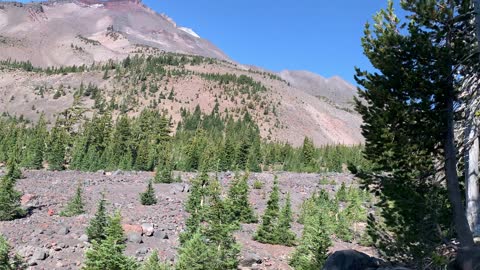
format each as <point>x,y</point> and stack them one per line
<point>257,184</point>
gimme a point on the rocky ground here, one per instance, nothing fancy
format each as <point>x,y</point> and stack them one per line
<point>49,241</point>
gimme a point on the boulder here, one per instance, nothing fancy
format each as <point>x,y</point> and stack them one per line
<point>250,259</point>
<point>161,235</point>
<point>83,238</point>
<point>350,260</point>
<point>39,255</point>
<point>132,228</point>
<point>134,237</point>
<point>147,229</point>
<point>117,172</point>
<point>27,199</point>
<point>64,230</point>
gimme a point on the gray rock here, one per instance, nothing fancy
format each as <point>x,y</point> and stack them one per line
<point>161,235</point>
<point>32,262</point>
<point>148,229</point>
<point>186,188</point>
<point>26,251</point>
<point>250,259</point>
<point>135,237</point>
<point>117,172</point>
<point>64,230</point>
<point>83,238</point>
<point>39,254</point>
<point>350,260</point>
<point>142,251</point>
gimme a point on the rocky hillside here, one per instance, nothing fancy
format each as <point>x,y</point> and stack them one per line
<point>287,106</point>
<point>49,241</point>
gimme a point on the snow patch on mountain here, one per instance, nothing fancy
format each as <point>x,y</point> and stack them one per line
<point>189,31</point>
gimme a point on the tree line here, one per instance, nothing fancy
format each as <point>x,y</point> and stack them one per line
<point>202,141</point>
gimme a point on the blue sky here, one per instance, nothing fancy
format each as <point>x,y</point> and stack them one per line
<point>317,35</point>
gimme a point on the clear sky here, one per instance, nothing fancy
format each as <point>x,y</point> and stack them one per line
<point>316,35</point>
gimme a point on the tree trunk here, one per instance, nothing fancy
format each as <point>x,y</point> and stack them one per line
<point>471,179</point>
<point>453,187</point>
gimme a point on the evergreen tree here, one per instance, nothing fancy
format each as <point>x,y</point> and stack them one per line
<point>154,263</point>
<point>148,197</point>
<point>9,200</point>
<point>341,194</point>
<point>36,145</point>
<point>75,206</point>
<point>238,203</point>
<point>407,106</point>
<point>163,173</point>
<point>96,228</point>
<point>312,251</point>
<point>7,261</point>
<point>196,254</point>
<point>285,235</point>
<point>13,171</point>
<point>308,152</point>
<point>266,232</point>
<point>55,155</point>
<point>108,253</point>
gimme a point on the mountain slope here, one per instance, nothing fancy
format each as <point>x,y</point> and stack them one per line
<point>65,33</point>
<point>45,33</point>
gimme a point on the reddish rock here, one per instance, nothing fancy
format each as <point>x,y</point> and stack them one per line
<point>132,228</point>
<point>26,198</point>
<point>51,212</point>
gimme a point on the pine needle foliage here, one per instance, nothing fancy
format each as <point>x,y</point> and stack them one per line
<point>75,206</point>
<point>148,197</point>
<point>108,253</point>
<point>8,260</point>
<point>153,263</point>
<point>10,207</point>
<point>238,203</point>
<point>96,228</point>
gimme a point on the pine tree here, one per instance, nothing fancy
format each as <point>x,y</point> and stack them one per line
<point>55,154</point>
<point>148,197</point>
<point>36,145</point>
<point>8,262</point>
<point>154,263</point>
<point>13,171</point>
<point>9,200</point>
<point>163,173</point>
<point>75,206</point>
<point>238,202</point>
<point>196,254</point>
<point>312,251</point>
<point>285,235</point>
<point>266,231</point>
<point>108,254</point>
<point>408,127</point>
<point>96,228</point>
<point>308,152</point>
<point>341,194</point>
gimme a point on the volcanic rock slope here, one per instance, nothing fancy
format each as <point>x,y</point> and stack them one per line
<point>292,105</point>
